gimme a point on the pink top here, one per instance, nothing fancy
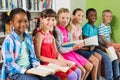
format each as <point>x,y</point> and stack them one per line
<point>64,32</point>
<point>77,32</point>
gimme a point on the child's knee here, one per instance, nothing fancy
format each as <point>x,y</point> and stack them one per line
<point>96,61</point>
<point>78,71</point>
<point>88,67</point>
<point>72,76</point>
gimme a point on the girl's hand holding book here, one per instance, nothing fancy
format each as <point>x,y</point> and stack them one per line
<point>70,63</point>
<point>61,63</point>
<point>77,46</point>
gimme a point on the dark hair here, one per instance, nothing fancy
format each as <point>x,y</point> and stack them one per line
<point>36,28</point>
<point>5,17</point>
<point>89,10</point>
<point>28,15</point>
<point>16,11</point>
<point>44,14</point>
<point>54,32</point>
<point>75,10</point>
<point>48,13</point>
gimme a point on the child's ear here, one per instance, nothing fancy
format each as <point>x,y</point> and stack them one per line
<point>73,16</point>
<point>11,23</point>
<point>41,19</point>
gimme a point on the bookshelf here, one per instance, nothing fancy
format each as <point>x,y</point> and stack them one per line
<point>33,6</point>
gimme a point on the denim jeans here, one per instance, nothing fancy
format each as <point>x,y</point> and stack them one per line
<point>107,64</point>
<point>116,70</point>
<point>32,77</point>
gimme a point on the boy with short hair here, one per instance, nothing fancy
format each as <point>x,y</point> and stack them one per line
<point>104,32</point>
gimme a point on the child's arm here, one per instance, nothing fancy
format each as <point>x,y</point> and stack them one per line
<point>60,57</point>
<point>105,41</point>
<point>38,44</point>
<point>59,42</point>
<point>33,58</point>
<point>9,57</point>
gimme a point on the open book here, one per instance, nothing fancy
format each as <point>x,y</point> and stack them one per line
<point>43,70</point>
<point>111,53</point>
<point>91,41</point>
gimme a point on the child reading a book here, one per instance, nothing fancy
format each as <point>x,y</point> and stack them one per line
<point>18,51</point>
<point>76,30</point>
<point>63,19</point>
<point>104,31</point>
<point>45,46</point>
<point>89,30</point>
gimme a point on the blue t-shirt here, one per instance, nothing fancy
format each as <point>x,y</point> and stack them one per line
<point>89,30</point>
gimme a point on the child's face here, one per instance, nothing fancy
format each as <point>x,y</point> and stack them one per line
<point>107,17</point>
<point>92,16</point>
<point>64,19</point>
<point>79,16</point>
<point>20,22</point>
<point>48,22</point>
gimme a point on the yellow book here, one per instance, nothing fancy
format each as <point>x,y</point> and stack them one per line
<point>8,29</point>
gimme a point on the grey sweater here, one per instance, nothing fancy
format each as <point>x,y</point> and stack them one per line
<point>59,42</point>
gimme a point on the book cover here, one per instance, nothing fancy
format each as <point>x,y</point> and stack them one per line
<point>91,41</point>
<point>111,53</point>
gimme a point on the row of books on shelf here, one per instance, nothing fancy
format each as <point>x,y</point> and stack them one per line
<point>26,4</point>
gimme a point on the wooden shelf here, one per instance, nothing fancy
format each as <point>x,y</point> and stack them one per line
<point>4,10</point>
<point>2,36</point>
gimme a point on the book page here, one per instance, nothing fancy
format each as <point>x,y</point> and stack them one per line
<point>57,67</point>
<point>111,53</point>
<point>41,71</point>
<point>91,41</point>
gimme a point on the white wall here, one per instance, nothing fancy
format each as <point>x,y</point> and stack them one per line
<point>70,4</point>
<point>61,4</point>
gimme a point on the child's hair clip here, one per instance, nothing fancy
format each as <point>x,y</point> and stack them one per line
<point>8,13</point>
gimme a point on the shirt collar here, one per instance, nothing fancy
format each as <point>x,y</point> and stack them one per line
<point>61,27</point>
<point>102,24</point>
<point>16,36</point>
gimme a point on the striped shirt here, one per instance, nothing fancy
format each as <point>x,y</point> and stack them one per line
<point>104,30</point>
<point>11,49</point>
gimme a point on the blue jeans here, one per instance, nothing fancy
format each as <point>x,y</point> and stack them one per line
<point>32,77</point>
<point>116,70</point>
<point>107,64</point>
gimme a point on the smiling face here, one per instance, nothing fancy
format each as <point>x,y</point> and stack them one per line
<point>20,22</point>
<point>92,16</point>
<point>64,18</point>
<point>107,17</point>
<point>48,23</point>
<point>79,16</point>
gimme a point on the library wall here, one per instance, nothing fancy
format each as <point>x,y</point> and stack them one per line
<point>77,4</point>
<point>101,5</point>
